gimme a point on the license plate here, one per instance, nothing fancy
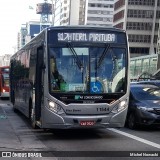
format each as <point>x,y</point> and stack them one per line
<point>87,123</point>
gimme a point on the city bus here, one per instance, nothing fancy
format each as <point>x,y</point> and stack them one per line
<point>4,82</point>
<point>72,77</point>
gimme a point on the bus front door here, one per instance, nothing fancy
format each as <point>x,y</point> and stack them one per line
<point>39,84</point>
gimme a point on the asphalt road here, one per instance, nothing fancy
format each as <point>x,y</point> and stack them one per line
<point>16,135</point>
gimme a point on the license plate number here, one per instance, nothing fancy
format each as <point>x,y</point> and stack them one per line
<point>87,123</point>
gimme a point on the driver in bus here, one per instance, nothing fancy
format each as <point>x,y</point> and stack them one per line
<point>56,78</point>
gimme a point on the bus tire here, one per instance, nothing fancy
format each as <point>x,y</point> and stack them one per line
<point>15,109</point>
<point>33,122</point>
<point>32,116</point>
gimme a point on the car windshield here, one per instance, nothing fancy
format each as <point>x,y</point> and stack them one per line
<point>146,92</point>
<point>157,83</point>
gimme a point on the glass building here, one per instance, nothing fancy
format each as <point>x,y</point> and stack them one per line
<point>143,64</point>
<point>140,18</point>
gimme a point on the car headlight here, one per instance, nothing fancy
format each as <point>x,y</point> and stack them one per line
<point>145,108</point>
<point>122,105</point>
<point>55,107</point>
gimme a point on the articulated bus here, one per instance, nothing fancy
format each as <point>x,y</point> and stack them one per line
<point>72,77</point>
<point>4,82</point>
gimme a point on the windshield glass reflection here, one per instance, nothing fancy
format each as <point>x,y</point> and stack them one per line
<point>87,69</point>
<point>150,92</point>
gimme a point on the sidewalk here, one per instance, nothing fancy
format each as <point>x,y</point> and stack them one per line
<point>8,139</point>
<point>16,136</point>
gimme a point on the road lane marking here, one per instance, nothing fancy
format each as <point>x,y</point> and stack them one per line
<point>135,138</point>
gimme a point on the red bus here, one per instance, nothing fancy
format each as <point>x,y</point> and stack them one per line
<point>4,82</point>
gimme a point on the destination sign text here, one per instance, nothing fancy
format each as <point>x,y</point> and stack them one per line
<point>87,37</point>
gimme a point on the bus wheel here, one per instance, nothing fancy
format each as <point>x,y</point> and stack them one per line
<point>15,109</point>
<point>131,121</point>
<point>32,117</point>
<point>33,122</point>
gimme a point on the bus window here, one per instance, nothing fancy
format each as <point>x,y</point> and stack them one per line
<point>69,73</point>
<point>56,78</point>
<point>6,80</point>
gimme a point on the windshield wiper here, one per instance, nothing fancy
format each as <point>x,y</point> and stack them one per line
<point>103,56</point>
<point>78,62</point>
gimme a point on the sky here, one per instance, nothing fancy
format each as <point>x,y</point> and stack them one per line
<point>14,13</point>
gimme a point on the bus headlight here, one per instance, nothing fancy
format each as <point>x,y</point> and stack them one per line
<point>3,90</point>
<point>122,105</point>
<point>55,107</point>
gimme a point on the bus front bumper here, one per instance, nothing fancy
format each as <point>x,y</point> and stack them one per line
<point>78,121</point>
<point>5,94</point>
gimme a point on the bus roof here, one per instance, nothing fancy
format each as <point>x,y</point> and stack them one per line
<point>83,27</point>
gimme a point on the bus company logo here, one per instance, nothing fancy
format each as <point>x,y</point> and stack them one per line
<point>77,97</point>
<point>6,154</point>
<point>93,97</point>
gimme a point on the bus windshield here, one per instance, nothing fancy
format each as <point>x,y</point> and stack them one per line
<point>87,69</point>
<point>5,80</point>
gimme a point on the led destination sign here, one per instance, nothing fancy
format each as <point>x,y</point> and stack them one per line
<point>86,37</point>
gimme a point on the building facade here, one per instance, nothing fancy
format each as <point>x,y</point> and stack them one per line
<point>158,41</point>
<point>143,64</point>
<point>5,60</point>
<point>84,12</point>
<point>69,12</point>
<point>34,28</point>
<point>99,12</point>
<point>28,31</point>
<point>21,37</point>
<point>140,19</point>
